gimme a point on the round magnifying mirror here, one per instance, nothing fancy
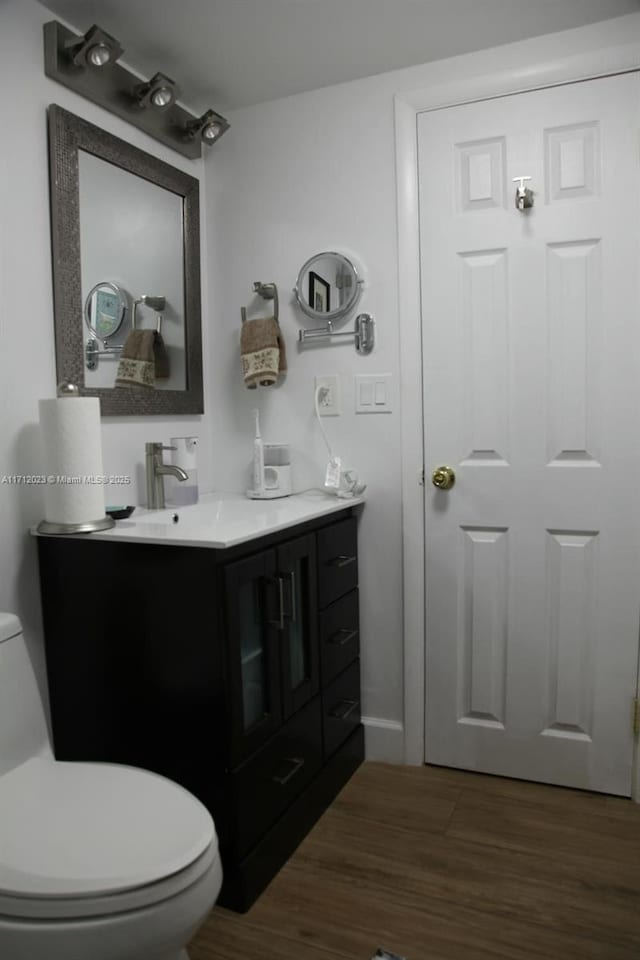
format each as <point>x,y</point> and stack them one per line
<point>328,286</point>
<point>105,309</point>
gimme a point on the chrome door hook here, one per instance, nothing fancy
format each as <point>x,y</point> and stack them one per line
<point>524,195</point>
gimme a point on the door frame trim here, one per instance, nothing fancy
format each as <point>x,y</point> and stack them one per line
<point>533,74</point>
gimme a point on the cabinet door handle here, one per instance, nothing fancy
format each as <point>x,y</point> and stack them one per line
<point>281,599</point>
<point>341,561</point>
<point>342,636</point>
<point>279,623</point>
<point>296,765</point>
<point>344,708</point>
<point>292,581</point>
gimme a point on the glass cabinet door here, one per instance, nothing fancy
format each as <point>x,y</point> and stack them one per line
<point>252,596</point>
<point>296,571</point>
<point>253,655</point>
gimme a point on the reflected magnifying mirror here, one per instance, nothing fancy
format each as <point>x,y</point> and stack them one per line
<point>105,309</point>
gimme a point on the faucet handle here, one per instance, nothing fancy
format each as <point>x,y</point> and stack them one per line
<point>157,447</point>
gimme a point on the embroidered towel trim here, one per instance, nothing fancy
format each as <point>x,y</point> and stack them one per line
<point>137,366</point>
<point>263,352</point>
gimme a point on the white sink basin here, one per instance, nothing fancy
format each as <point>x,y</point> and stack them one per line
<point>209,511</point>
<point>222,520</point>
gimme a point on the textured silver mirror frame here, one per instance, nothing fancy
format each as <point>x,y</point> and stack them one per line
<point>67,135</point>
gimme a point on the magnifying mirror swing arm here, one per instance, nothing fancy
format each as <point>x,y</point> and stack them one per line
<point>363,333</point>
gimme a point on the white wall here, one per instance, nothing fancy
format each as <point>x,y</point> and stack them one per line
<point>315,172</point>
<point>27,362</point>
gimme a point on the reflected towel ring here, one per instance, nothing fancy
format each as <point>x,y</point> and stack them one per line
<point>156,303</point>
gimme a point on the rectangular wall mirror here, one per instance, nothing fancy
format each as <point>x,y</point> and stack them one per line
<point>126,256</point>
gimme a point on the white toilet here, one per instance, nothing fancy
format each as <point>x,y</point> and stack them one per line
<point>97,861</point>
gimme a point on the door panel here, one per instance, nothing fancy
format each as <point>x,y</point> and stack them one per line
<point>531,393</point>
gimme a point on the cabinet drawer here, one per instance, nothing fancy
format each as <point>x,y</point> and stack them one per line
<point>267,783</point>
<point>341,708</point>
<point>337,561</point>
<point>339,636</point>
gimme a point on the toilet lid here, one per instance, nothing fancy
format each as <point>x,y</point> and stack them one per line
<point>81,829</point>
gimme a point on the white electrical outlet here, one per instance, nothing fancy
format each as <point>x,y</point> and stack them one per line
<point>329,399</point>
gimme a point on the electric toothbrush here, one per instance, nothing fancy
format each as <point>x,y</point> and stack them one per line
<point>258,456</point>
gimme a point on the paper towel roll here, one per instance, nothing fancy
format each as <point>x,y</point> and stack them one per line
<point>72,459</point>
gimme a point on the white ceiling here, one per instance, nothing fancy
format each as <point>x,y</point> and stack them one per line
<point>231,53</point>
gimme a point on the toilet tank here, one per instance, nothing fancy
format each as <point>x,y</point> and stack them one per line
<point>23,728</point>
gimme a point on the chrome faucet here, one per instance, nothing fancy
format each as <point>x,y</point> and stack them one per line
<point>156,470</point>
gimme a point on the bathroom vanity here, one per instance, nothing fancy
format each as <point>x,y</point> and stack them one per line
<point>220,649</point>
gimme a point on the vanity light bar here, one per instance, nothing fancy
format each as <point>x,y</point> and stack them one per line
<point>86,64</point>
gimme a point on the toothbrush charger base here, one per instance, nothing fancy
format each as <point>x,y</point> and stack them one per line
<point>267,494</point>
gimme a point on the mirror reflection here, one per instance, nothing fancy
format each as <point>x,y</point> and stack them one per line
<point>328,286</point>
<point>104,310</point>
<point>131,231</point>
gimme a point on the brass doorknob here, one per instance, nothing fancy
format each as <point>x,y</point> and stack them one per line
<point>443,478</point>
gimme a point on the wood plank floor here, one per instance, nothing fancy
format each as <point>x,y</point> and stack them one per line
<point>438,864</point>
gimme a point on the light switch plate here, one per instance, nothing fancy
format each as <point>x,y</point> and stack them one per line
<point>373,393</point>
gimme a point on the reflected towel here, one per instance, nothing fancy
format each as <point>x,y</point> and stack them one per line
<point>161,357</point>
<point>263,352</point>
<point>137,366</point>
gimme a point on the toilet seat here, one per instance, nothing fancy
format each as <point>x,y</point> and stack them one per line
<point>79,832</point>
<point>70,909</point>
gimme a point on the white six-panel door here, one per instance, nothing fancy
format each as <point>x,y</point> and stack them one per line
<point>531,366</point>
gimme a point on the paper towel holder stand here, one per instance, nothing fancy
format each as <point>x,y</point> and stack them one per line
<point>48,527</point>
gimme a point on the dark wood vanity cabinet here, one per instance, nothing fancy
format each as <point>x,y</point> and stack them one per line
<point>235,672</point>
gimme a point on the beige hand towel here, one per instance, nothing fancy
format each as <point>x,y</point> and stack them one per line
<point>137,366</point>
<point>263,352</point>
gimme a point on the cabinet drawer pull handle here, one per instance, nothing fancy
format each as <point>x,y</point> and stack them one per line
<point>341,561</point>
<point>296,764</point>
<point>342,636</point>
<point>344,708</point>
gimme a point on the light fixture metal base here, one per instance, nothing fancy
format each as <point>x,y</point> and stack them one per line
<point>62,529</point>
<point>114,87</point>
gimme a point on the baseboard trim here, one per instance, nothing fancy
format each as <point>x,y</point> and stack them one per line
<point>383,740</point>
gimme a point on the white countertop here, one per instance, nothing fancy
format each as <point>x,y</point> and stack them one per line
<point>220,519</point>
